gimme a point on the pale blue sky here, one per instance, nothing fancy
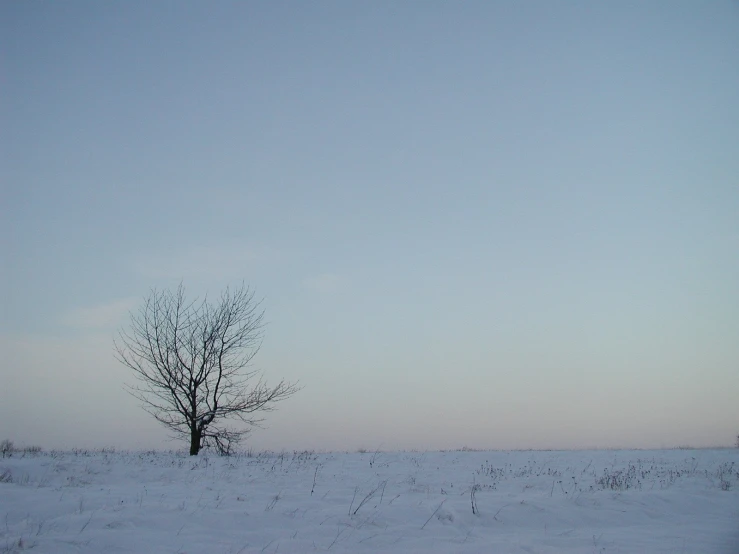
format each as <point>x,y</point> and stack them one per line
<point>491,224</point>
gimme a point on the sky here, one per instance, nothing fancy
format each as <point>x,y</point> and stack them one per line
<point>472,224</point>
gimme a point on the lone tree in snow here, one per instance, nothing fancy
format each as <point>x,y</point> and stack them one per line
<point>191,360</point>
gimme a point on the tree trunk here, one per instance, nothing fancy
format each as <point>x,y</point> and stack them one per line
<point>195,435</point>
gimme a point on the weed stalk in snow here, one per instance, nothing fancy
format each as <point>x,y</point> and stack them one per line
<point>435,511</point>
<point>474,490</point>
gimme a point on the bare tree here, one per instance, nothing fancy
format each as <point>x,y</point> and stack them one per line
<point>191,361</point>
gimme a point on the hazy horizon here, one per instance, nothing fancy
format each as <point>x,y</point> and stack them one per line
<point>505,225</point>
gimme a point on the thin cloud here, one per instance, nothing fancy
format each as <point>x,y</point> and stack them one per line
<point>101,316</point>
<point>324,282</point>
<point>205,262</point>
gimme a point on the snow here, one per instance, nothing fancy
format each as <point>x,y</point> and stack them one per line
<point>525,501</point>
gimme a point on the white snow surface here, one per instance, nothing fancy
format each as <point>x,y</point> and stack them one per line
<point>606,501</point>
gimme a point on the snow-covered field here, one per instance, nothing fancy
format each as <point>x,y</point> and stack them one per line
<point>538,501</point>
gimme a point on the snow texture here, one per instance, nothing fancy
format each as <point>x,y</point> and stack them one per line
<point>677,501</point>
